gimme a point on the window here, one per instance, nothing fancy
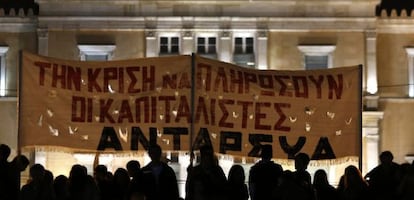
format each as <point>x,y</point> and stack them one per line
<point>201,45</point>
<point>169,45</point>
<point>244,51</point>
<point>3,89</point>
<point>206,46</point>
<point>410,55</point>
<point>317,56</point>
<point>243,45</point>
<point>249,45</point>
<point>316,62</point>
<point>238,45</point>
<point>96,52</point>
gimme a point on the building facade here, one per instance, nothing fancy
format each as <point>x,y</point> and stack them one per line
<point>262,34</point>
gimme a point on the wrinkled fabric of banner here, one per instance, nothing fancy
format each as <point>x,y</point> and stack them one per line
<point>182,102</point>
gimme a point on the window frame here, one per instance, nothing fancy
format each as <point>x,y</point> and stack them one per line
<point>410,57</point>
<point>244,45</point>
<point>169,37</point>
<point>207,36</point>
<point>245,36</point>
<point>318,50</point>
<point>206,44</point>
<point>3,77</point>
<point>97,50</point>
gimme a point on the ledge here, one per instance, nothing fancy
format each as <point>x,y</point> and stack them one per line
<point>208,23</point>
<point>8,99</point>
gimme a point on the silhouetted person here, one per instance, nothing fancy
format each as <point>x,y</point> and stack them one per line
<point>104,182</point>
<point>353,186</point>
<point>5,192</point>
<point>237,187</point>
<point>302,176</point>
<point>159,179</point>
<point>61,187</point>
<point>405,189</point>
<point>324,191</point>
<point>4,155</point>
<point>264,175</point>
<point>383,179</point>
<point>207,180</point>
<point>16,167</point>
<point>286,186</point>
<point>38,187</point>
<point>81,185</point>
<point>297,185</point>
<point>134,168</point>
<point>48,183</point>
<point>121,184</point>
<point>135,188</point>
<point>341,184</point>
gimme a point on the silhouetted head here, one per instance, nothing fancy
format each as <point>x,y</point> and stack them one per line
<point>353,177</point>
<point>207,157</point>
<point>78,172</point>
<point>121,177</point>
<point>37,172</point>
<point>20,162</point>
<point>301,161</point>
<point>266,152</point>
<point>320,178</point>
<point>206,150</point>
<point>100,172</point>
<point>49,176</point>
<point>236,174</point>
<point>60,182</point>
<point>155,152</point>
<point>133,168</point>
<point>386,157</point>
<point>4,152</point>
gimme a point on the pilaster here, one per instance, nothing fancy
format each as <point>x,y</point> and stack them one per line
<point>261,50</point>
<point>187,43</point>
<point>43,41</point>
<point>371,62</point>
<point>151,43</point>
<point>225,48</point>
<point>370,139</point>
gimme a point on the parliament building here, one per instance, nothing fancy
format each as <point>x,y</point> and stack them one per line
<point>259,34</point>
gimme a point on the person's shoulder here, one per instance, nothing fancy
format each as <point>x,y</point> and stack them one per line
<point>165,165</point>
<point>302,173</point>
<point>196,171</point>
<point>146,167</point>
<point>218,169</point>
<point>395,165</point>
<point>276,165</point>
<point>255,167</point>
<point>27,187</point>
<point>146,170</point>
<point>374,171</point>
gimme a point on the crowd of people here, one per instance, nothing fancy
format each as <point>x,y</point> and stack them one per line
<point>205,181</point>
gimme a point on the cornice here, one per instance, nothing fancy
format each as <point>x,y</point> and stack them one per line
<point>208,23</point>
<point>233,8</point>
<point>405,26</point>
<point>324,23</point>
<point>102,23</point>
<point>18,24</point>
